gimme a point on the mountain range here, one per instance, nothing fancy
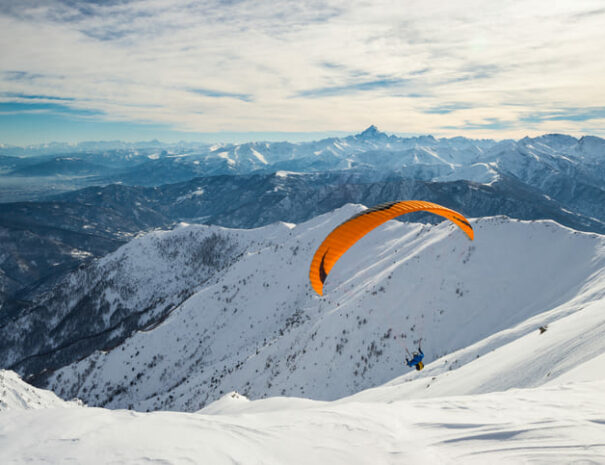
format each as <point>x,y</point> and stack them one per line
<point>249,185</point>
<point>48,243</point>
<point>540,162</point>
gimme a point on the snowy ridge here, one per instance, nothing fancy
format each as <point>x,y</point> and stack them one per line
<point>17,395</point>
<point>258,329</point>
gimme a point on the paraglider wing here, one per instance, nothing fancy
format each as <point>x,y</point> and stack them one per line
<point>349,232</point>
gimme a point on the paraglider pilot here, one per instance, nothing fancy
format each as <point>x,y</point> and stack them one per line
<point>416,360</point>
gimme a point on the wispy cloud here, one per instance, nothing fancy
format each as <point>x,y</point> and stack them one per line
<point>589,13</point>
<point>566,114</point>
<point>472,72</point>
<point>420,72</point>
<point>313,65</point>
<point>20,76</point>
<point>447,108</point>
<point>16,95</point>
<point>348,89</point>
<point>221,94</point>
<point>491,124</point>
<point>46,107</point>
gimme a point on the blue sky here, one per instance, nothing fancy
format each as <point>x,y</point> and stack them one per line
<point>237,70</point>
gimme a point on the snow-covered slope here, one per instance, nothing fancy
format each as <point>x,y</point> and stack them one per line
<point>571,349</point>
<point>133,288</point>
<point>256,327</point>
<point>561,424</point>
<point>17,395</point>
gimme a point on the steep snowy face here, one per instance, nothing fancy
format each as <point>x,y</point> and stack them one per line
<point>258,328</point>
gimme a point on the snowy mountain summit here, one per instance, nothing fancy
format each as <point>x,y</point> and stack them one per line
<point>371,132</point>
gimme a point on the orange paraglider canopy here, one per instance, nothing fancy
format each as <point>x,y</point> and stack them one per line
<point>349,232</point>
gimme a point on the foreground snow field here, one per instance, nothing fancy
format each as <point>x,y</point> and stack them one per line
<point>551,425</point>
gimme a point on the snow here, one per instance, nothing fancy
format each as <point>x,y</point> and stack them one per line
<point>17,395</point>
<point>225,155</point>
<point>583,371</point>
<point>495,389</point>
<point>556,425</point>
<point>80,253</point>
<point>435,155</point>
<point>259,156</point>
<point>196,193</point>
<point>479,172</point>
<point>285,174</point>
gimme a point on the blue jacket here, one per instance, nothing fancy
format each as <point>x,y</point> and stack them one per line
<point>416,359</point>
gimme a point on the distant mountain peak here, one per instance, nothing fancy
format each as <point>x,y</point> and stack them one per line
<point>371,132</point>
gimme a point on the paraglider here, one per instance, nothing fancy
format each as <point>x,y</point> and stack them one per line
<point>349,232</point>
<point>416,360</point>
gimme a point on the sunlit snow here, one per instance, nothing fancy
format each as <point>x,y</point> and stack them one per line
<point>285,376</point>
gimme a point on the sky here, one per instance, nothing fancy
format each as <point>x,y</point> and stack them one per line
<point>228,69</point>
